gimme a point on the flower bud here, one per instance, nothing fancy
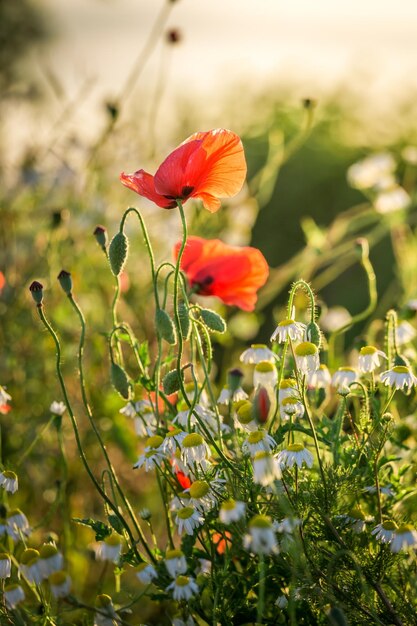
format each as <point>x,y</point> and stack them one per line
<point>65,281</point>
<point>100,233</point>
<point>184,320</point>
<point>262,405</point>
<point>36,289</point>
<point>165,326</point>
<point>118,250</point>
<point>213,321</point>
<point>313,334</point>
<point>120,381</point>
<point>401,360</point>
<point>171,382</point>
<point>234,378</point>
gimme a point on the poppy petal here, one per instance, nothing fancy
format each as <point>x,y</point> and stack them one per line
<point>143,184</point>
<point>178,175</point>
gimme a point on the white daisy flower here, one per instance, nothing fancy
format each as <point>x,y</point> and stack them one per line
<point>17,524</point>
<point>369,358</point>
<point>145,572</point>
<point>4,396</point>
<point>385,532</point>
<point>236,396</point>
<point>245,416</point>
<point>257,441</point>
<point>60,584</point>
<point>188,519</point>
<point>266,468</point>
<point>109,549</point>
<point>13,595</point>
<point>405,333</point>
<point>232,511</point>
<point>194,449</point>
<point>399,377</point>
<point>183,418</point>
<point>392,199</point>
<point>258,352</point>
<point>5,565</point>
<point>190,393</point>
<point>295,453</point>
<point>356,519</point>
<point>287,389</point>
<point>175,562</point>
<point>288,329</point>
<point>368,172</point>
<point>404,537</point>
<point>29,566</point>
<point>183,588</point>
<point>105,614</point>
<point>307,357</point>
<point>9,481</point>
<point>202,496</point>
<point>344,377</point>
<point>129,410</point>
<point>288,525</point>
<point>57,408</point>
<point>265,374</point>
<point>320,379</point>
<point>153,454</point>
<point>292,407</point>
<point>50,560</point>
<point>386,491</point>
<point>281,602</point>
<point>173,440</point>
<point>261,537</point>
<point>178,465</point>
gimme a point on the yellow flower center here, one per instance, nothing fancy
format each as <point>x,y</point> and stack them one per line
<point>366,350</point>
<point>174,554</point>
<point>389,525</point>
<point>103,600</point>
<point>182,581</point>
<point>154,442</point>
<point>401,369</point>
<point>261,454</point>
<point>229,505</point>
<point>28,556</point>
<point>256,436</point>
<point>260,521</point>
<point>199,489</point>
<point>58,578</point>
<point>48,550</point>
<point>264,367</point>
<point>305,348</point>
<point>287,383</point>
<point>244,413</point>
<point>10,474</point>
<point>193,440</point>
<point>112,540</point>
<point>295,447</point>
<point>186,512</point>
<point>405,528</point>
<point>286,322</point>
<point>258,346</point>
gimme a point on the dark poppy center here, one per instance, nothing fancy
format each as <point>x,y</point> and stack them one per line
<point>202,286</point>
<point>186,191</point>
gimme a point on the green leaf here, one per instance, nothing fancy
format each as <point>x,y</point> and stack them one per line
<point>100,528</point>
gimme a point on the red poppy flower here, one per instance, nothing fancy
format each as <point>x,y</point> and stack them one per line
<point>207,166</point>
<point>215,269</point>
<point>5,408</point>
<point>2,281</point>
<point>221,541</point>
<point>183,480</point>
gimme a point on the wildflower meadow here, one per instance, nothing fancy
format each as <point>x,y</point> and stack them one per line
<point>208,389</point>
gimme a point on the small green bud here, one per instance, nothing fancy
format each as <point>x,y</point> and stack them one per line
<point>184,320</point>
<point>36,289</point>
<point>401,361</point>
<point>65,281</point>
<point>118,250</point>
<point>115,523</point>
<point>234,378</point>
<point>171,382</point>
<point>213,321</point>
<point>120,380</point>
<point>313,333</point>
<point>100,233</point>
<point>165,326</point>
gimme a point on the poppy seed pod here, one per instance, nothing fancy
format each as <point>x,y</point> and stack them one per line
<point>313,334</point>
<point>65,281</point>
<point>118,251</point>
<point>165,326</point>
<point>100,233</point>
<point>120,381</point>
<point>184,320</point>
<point>213,321</point>
<point>171,382</point>
<point>36,289</point>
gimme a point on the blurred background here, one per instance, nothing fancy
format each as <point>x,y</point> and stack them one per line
<point>93,87</point>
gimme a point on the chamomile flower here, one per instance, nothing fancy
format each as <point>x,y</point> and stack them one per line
<point>292,407</point>
<point>265,374</point>
<point>405,333</point>
<point>29,566</point>
<point>202,496</point>
<point>266,468</point>
<point>368,172</point>
<point>394,198</point>
<point>175,562</point>
<point>307,357</point>
<point>188,519</point>
<point>194,450</point>
<point>105,614</point>
<point>4,396</point>
<point>356,519</point>
<point>281,602</point>
<point>295,454</point>
<point>9,481</point>
<point>344,377</point>
<point>183,588</point>
<point>385,532</point>
<point>226,395</point>
<point>50,560</point>
<point>5,565</point>
<point>17,524</point>
<point>129,410</point>
<point>57,408</point>
<point>13,595</point>
<point>145,572</point>
<point>369,359</point>
<point>288,525</point>
<point>399,377</point>
<point>288,329</point>
<point>386,491</point>
<point>178,465</point>
<point>256,353</point>
<point>173,440</point>
<point>109,549</point>
<point>60,584</point>
<point>257,441</point>
<point>404,537</point>
<point>153,454</point>
<point>245,416</point>
<point>287,389</point>
<point>232,511</point>
<point>320,379</point>
<point>261,537</point>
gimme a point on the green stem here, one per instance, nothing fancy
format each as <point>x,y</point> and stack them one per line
<point>261,590</point>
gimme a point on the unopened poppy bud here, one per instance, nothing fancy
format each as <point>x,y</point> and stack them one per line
<point>65,281</point>
<point>100,233</point>
<point>184,319</point>
<point>36,289</point>
<point>362,246</point>
<point>120,380</point>
<point>309,103</point>
<point>118,251</point>
<point>234,378</point>
<point>401,360</point>
<point>262,405</point>
<point>313,334</point>
<point>165,326</point>
<point>173,35</point>
<point>213,321</point>
<point>171,382</point>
